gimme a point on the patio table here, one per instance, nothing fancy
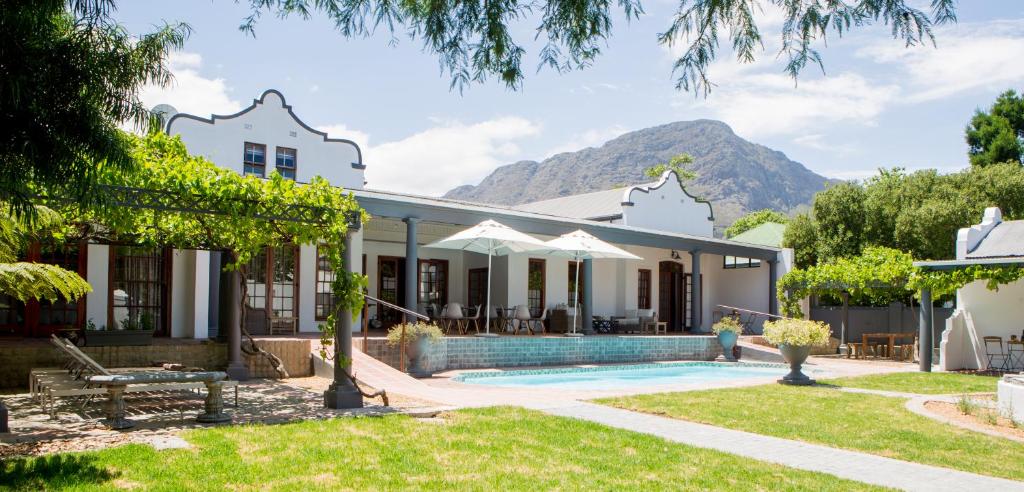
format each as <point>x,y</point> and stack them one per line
<point>889,337</point>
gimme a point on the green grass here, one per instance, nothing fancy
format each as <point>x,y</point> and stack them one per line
<point>926,383</point>
<point>869,423</point>
<point>487,449</point>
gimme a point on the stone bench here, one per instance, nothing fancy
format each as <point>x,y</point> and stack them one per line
<point>116,384</point>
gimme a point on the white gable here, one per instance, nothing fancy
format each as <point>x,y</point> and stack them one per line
<point>271,122</point>
<point>666,206</point>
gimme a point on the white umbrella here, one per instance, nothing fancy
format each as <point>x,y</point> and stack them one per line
<point>581,246</point>
<point>490,238</point>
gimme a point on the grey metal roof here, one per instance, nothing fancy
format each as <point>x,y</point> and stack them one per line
<point>441,210</point>
<point>597,205</point>
<point>1005,240</point>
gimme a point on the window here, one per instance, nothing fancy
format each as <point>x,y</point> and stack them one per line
<point>731,262</point>
<point>535,286</point>
<point>573,266</point>
<point>643,289</point>
<point>433,282</point>
<point>60,313</point>
<point>286,162</point>
<point>138,292</point>
<point>324,302</point>
<point>477,286</point>
<point>254,160</point>
<point>271,285</point>
<point>284,274</point>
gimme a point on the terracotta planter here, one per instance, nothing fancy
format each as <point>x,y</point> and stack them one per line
<point>795,356</point>
<point>417,350</point>
<point>728,341</point>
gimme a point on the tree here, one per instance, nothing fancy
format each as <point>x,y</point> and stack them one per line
<point>839,215</point>
<point>475,40</point>
<point>802,236</point>
<point>25,280</point>
<point>754,219</point>
<point>71,77</point>
<point>997,135</point>
<point>677,163</point>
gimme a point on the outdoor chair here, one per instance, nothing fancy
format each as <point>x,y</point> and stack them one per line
<point>452,316</point>
<point>647,318</point>
<point>997,357</point>
<point>1015,355</point>
<point>522,318</point>
<point>474,319</point>
<point>537,323</point>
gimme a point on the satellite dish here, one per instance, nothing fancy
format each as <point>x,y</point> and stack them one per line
<point>165,112</point>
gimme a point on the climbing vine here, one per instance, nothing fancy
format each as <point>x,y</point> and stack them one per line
<point>878,272</point>
<point>192,203</point>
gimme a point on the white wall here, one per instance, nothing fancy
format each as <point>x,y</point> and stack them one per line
<point>745,288</point>
<point>269,122</point>
<point>995,313</point>
<point>307,290</point>
<point>650,206</point>
<point>182,280</point>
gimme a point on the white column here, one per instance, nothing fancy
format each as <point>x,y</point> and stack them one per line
<point>201,296</point>
<point>307,289</point>
<point>97,273</point>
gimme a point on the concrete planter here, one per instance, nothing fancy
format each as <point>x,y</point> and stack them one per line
<point>417,350</point>
<point>728,341</point>
<point>118,338</point>
<point>795,356</point>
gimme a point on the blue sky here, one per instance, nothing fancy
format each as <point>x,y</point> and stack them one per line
<point>878,104</point>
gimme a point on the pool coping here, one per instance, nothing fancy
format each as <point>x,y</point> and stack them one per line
<point>462,377</point>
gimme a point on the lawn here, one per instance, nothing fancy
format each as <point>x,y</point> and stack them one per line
<point>926,383</point>
<point>486,449</point>
<point>861,422</point>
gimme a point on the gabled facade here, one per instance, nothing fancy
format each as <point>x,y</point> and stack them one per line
<point>663,205</point>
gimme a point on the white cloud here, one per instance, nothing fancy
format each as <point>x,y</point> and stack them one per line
<point>969,56</point>
<point>440,158</point>
<point>818,141</point>
<point>589,138</point>
<point>756,103</point>
<point>191,92</point>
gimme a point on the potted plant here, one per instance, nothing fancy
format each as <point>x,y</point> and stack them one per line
<point>795,337</point>
<point>728,330</point>
<point>418,339</point>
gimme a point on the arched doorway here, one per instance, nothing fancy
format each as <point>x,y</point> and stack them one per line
<point>671,295</point>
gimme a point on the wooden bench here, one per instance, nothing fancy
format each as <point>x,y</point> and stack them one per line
<point>116,384</point>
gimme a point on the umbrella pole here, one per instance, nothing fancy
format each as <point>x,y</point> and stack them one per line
<point>490,248</point>
<point>576,296</point>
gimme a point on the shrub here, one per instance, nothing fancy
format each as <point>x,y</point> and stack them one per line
<point>728,323</point>
<point>414,331</point>
<point>797,332</point>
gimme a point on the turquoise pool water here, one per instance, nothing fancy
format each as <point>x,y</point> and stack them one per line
<point>623,377</point>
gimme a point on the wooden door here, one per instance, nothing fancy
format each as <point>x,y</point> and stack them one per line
<point>390,288</point>
<point>671,294</point>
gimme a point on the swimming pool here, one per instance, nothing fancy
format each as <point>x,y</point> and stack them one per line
<point>623,376</point>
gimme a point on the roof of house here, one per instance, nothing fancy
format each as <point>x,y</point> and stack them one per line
<point>1005,240</point>
<point>767,234</point>
<point>605,204</point>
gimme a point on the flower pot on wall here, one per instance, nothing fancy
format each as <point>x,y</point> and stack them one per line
<point>728,341</point>
<point>795,356</point>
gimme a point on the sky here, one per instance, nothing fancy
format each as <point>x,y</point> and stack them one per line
<point>877,104</point>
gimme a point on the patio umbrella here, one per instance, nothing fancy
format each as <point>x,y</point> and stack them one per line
<point>490,238</point>
<point>581,246</point>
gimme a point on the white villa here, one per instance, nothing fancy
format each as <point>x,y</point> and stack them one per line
<point>685,276</point>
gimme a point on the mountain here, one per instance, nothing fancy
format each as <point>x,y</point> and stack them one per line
<point>737,176</point>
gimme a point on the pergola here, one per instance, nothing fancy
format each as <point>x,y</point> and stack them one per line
<point>342,392</point>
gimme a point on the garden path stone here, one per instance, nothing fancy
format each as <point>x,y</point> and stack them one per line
<point>868,468</point>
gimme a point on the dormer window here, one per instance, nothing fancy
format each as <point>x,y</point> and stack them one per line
<point>286,162</point>
<point>254,160</point>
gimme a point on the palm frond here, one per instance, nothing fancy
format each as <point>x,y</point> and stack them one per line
<point>25,281</point>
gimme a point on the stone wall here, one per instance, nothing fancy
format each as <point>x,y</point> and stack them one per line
<point>16,360</point>
<point>477,352</point>
<point>293,352</point>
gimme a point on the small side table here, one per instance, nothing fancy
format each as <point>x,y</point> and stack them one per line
<point>661,326</point>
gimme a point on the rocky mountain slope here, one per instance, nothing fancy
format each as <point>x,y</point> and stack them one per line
<point>737,176</point>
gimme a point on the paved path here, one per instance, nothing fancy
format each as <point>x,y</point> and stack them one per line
<point>841,463</point>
